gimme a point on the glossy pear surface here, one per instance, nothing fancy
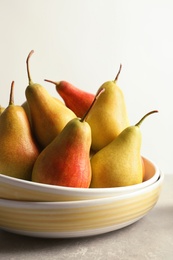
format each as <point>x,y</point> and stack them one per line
<point>65,161</point>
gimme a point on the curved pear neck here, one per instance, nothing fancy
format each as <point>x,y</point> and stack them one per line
<point>28,70</point>
<point>146,115</point>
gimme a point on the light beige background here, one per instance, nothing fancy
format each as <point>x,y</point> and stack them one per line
<point>84,42</point>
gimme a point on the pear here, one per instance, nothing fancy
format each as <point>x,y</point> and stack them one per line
<point>1,109</point>
<point>109,116</point>
<point>48,115</point>
<point>66,160</point>
<point>120,163</point>
<point>27,111</point>
<point>76,99</point>
<point>18,150</point>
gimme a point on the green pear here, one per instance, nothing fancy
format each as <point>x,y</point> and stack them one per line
<point>66,160</point>
<point>119,163</point>
<point>18,150</point>
<point>109,116</point>
<point>48,115</point>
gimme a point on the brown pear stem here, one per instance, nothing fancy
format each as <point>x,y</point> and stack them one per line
<point>116,78</point>
<point>27,65</point>
<point>99,92</point>
<point>11,99</point>
<point>51,81</point>
<point>142,119</point>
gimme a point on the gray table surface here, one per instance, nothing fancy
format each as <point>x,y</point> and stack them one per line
<point>150,238</point>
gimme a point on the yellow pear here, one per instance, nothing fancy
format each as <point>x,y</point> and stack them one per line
<point>1,109</point>
<point>27,111</point>
<point>119,163</point>
<point>48,115</point>
<point>109,115</point>
<point>18,150</point>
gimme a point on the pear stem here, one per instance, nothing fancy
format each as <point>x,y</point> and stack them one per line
<point>11,99</point>
<point>142,119</point>
<point>27,65</point>
<point>99,92</point>
<point>51,81</point>
<point>116,78</point>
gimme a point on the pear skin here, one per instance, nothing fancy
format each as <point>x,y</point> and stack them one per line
<point>109,116</point>
<point>119,163</point>
<point>27,111</point>
<point>18,150</point>
<point>1,109</point>
<point>65,161</point>
<point>76,99</point>
<point>48,115</point>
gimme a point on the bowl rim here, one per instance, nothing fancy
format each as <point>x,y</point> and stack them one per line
<point>81,203</point>
<point>88,191</point>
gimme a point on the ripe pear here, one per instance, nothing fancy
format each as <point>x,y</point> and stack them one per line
<point>1,109</point>
<point>109,116</point>
<point>66,160</point>
<point>18,150</point>
<point>48,115</point>
<point>76,99</point>
<point>27,111</point>
<point>120,163</point>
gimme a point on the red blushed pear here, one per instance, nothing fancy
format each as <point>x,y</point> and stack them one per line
<point>18,150</point>
<point>66,160</point>
<point>74,98</point>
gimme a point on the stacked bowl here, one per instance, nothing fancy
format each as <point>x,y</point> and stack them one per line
<point>50,211</point>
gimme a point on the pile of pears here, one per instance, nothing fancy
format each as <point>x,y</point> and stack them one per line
<point>81,139</point>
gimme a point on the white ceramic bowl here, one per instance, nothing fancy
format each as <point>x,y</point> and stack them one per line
<point>78,218</point>
<point>17,189</point>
